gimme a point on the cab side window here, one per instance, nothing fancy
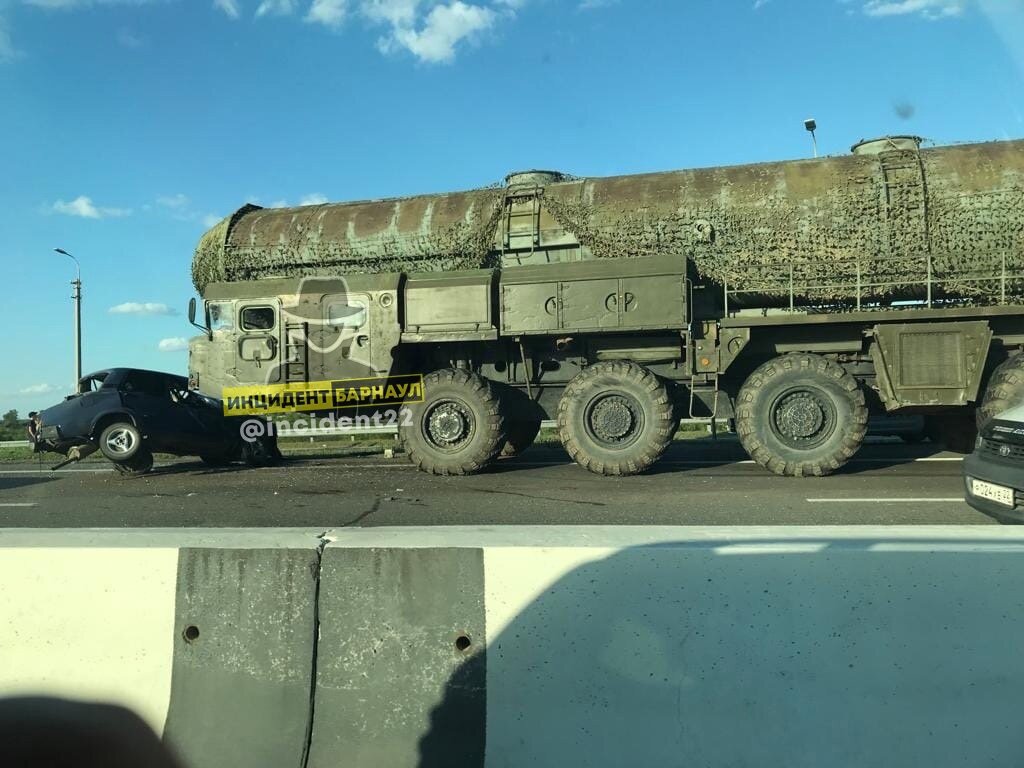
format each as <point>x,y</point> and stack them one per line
<point>346,314</point>
<point>257,318</point>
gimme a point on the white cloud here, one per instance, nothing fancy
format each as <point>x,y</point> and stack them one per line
<point>330,13</point>
<point>84,207</point>
<point>146,308</point>
<point>590,5</point>
<point>397,13</point>
<point>129,39</point>
<point>444,27</point>
<point>230,7</point>
<point>176,344</point>
<point>314,199</point>
<point>38,389</point>
<point>931,9</point>
<point>432,30</point>
<point>7,49</point>
<point>211,220</point>
<point>275,8</point>
<point>174,202</point>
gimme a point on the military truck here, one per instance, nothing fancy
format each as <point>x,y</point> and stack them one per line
<point>793,298</point>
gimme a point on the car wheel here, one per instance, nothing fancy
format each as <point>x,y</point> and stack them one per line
<point>139,464</point>
<point>259,453</point>
<point>120,441</point>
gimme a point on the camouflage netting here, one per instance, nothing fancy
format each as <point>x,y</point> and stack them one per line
<point>308,247</point>
<point>823,226</point>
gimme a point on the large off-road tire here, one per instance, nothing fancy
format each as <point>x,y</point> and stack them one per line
<point>801,414</point>
<point>1004,391</point>
<point>139,464</point>
<point>520,436</point>
<point>458,428</point>
<point>120,441</point>
<point>616,418</point>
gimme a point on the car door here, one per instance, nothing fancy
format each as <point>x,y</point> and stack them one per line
<point>147,396</point>
<point>198,427</point>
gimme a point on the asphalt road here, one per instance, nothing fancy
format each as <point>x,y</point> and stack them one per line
<point>700,482</point>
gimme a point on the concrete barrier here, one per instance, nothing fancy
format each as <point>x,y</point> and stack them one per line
<point>208,635</point>
<point>534,646</point>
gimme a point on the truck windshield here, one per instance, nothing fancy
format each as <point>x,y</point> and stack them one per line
<point>221,318</point>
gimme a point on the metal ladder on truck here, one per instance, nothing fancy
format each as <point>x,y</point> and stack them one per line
<point>296,352</point>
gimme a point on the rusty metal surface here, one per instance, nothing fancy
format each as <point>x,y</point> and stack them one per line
<point>955,212</point>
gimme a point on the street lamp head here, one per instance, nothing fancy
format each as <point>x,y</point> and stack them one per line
<point>78,268</point>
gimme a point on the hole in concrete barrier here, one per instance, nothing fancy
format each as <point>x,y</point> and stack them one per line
<point>191,633</point>
<point>462,643</point>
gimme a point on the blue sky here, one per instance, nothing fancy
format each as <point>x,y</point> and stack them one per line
<point>129,125</point>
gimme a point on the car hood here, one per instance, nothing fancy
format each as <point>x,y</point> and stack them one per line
<point>1008,426</point>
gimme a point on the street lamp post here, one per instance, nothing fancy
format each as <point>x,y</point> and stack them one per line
<point>76,286</point>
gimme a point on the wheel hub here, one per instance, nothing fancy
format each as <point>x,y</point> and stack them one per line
<point>448,424</point>
<point>612,419</point>
<point>800,416</point>
<point>120,441</point>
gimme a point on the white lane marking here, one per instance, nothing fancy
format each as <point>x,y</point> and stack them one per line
<point>402,465</point>
<point>19,504</point>
<point>887,501</point>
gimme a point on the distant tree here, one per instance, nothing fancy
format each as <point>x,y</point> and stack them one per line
<point>11,418</point>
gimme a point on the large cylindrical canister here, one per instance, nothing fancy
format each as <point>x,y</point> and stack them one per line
<point>886,221</point>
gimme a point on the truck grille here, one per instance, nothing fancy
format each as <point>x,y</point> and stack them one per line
<point>1002,450</point>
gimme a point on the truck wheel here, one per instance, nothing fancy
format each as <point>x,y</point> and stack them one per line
<point>139,464</point>
<point>120,441</point>
<point>616,418</point>
<point>521,435</point>
<point>458,429</point>
<point>801,414</point>
<point>1005,389</point>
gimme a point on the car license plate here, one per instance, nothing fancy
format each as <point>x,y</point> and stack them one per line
<point>997,493</point>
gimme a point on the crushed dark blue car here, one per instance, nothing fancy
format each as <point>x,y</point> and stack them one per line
<point>129,414</point>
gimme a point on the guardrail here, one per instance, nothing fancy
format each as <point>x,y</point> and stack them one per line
<point>15,444</point>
